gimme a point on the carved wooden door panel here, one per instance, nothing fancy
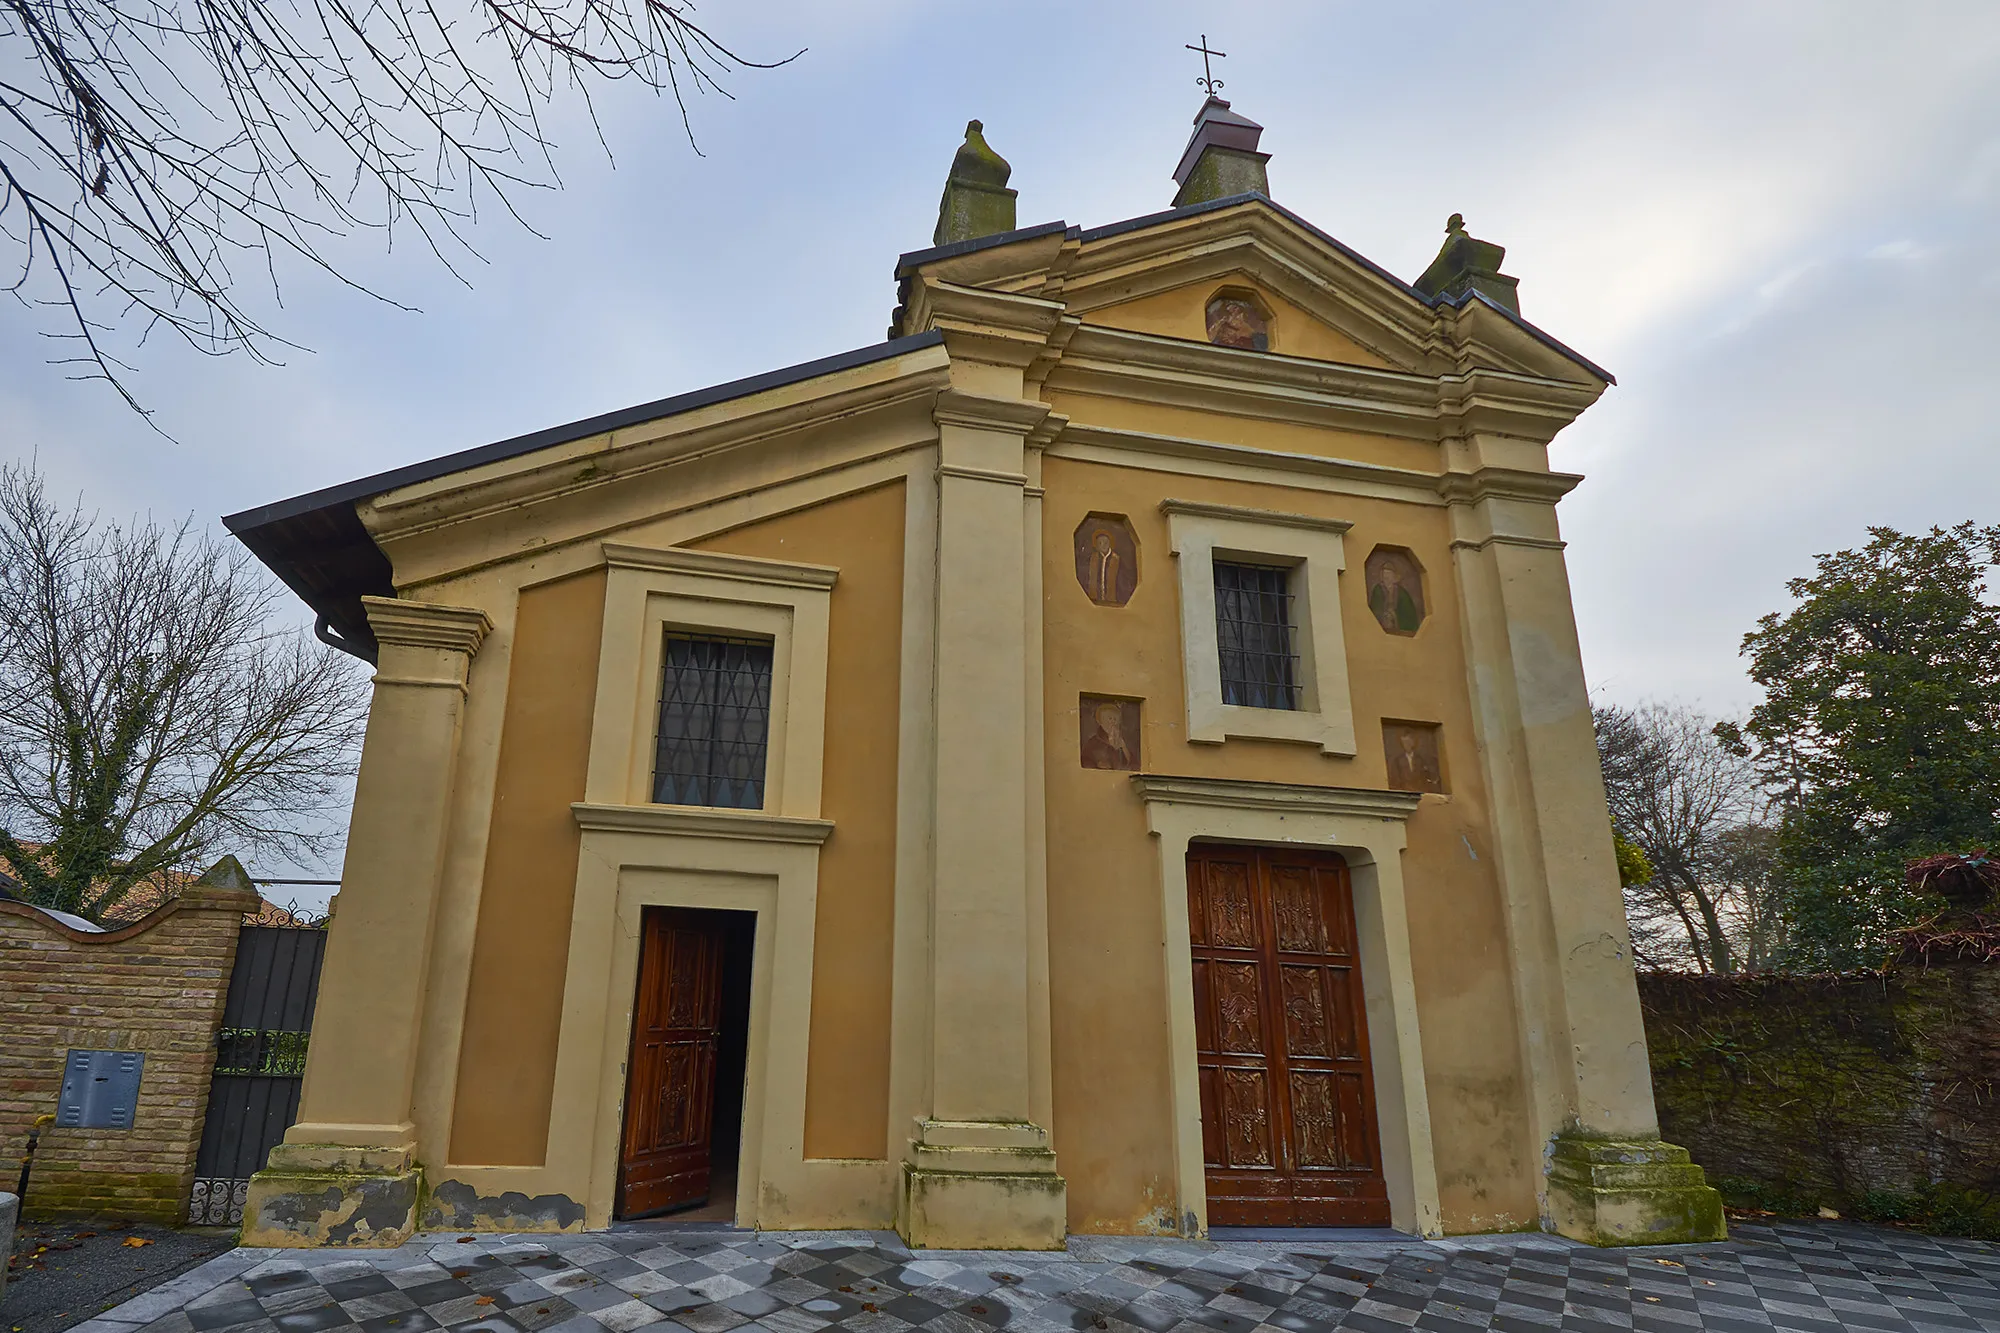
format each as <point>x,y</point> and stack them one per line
<point>670,1081</point>
<point>1281,1041</point>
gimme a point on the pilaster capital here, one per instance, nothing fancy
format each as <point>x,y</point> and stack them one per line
<point>1004,328</point>
<point>1506,483</point>
<point>1018,416</point>
<point>458,629</point>
<point>1507,402</point>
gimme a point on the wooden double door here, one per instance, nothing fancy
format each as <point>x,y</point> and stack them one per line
<point>1281,1039</point>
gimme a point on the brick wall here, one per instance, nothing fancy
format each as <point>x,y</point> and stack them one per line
<point>156,986</point>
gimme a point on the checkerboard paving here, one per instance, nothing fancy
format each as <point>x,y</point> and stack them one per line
<point>1808,1278</point>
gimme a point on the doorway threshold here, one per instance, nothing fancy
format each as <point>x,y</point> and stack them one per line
<point>1318,1235</point>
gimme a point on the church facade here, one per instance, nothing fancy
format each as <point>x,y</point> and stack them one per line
<point>1113,757</point>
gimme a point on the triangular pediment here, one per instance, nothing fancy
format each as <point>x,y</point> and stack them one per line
<point>1157,274</point>
<point>1279,325</point>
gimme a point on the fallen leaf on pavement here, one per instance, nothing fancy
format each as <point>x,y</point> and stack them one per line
<point>134,1242</point>
<point>482,1300</point>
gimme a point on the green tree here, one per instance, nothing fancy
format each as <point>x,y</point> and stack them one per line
<point>1879,734</point>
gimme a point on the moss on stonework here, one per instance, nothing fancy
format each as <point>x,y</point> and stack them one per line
<point>1630,1192</point>
<point>1868,1094</point>
<point>1221,172</point>
<point>976,199</point>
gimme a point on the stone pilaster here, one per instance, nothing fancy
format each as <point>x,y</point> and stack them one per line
<point>979,1173</point>
<point>1609,1178</point>
<point>346,1173</point>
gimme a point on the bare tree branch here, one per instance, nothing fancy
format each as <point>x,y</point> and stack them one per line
<point>147,147</point>
<point>150,718</point>
<point>1694,807</point>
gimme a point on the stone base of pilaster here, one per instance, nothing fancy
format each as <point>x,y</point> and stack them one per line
<point>1630,1192</point>
<point>315,1194</point>
<point>982,1185</point>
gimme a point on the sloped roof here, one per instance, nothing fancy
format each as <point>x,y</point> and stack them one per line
<point>317,544</point>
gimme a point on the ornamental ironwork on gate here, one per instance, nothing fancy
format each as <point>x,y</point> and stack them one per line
<point>260,1054</point>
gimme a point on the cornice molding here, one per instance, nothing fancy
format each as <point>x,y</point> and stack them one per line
<point>1243,514</point>
<point>1506,483</point>
<point>719,565</point>
<point>983,474</point>
<point>1367,478</point>
<point>1510,539</point>
<point>980,324</point>
<point>1483,401</point>
<point>647,446</point>
<point>458,629</point>
<point>1284,797</point>
<point>1022,416</point>
<point>700,822</point>
<point>1179,372</point>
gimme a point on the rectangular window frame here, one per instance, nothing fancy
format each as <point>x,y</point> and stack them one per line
<point>652,591</point>
<point>722,745</point>
<point>1313,550</point>
<point>1256,685</point>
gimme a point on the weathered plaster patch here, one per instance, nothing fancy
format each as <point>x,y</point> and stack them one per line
<point>457,1206</point>
<point>357,1210</point>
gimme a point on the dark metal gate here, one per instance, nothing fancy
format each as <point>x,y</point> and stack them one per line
<point>259,1057</point>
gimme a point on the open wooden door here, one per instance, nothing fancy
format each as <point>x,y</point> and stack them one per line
<point>1281,1041</point>
<point>670,1081</point>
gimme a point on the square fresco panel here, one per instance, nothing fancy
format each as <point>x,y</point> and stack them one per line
<point>1108,732</point>
<point>1412,751</point>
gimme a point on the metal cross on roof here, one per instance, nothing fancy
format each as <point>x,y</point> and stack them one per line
<point>1208,81</point>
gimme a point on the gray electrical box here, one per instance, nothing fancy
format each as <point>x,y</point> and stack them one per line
<point>100,1089</point>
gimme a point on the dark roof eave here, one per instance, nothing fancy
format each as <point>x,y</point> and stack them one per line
<point>316,543</point>
<point>429,470</point>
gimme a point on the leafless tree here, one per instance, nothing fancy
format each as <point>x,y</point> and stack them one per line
<point>150,715</point>
<point>150,148</point>
<point>1692,806</point>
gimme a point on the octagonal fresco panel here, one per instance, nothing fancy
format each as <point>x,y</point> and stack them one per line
<point>1396,589</point>
<point>1107,559</point>
<point>1237,318</point>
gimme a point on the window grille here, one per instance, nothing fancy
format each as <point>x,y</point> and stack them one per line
<point>1255,631</point>
<point>715,721</point>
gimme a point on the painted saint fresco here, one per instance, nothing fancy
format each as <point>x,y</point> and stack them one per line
<point>1109,732</point>
<point>1107,559</point>
<point>1235,320</point>
<point>1395,590</point>
<point>1412,751</point>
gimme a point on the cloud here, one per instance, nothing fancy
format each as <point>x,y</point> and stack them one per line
<point>1769,220</point>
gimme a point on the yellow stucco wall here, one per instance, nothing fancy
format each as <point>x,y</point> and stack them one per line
<point>847,1075</point>
<point>1182,313</point>
<point>514,1003</point>
<point>1112,1107</point>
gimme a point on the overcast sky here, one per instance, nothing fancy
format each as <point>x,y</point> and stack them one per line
<point>1777,224</point>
